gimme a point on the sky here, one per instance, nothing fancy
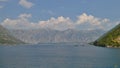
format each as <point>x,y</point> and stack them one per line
<point>60,14</point>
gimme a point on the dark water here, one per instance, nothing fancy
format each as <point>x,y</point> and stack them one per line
<point>58,56</point>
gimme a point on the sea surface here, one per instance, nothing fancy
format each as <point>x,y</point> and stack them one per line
<point>59,56</point>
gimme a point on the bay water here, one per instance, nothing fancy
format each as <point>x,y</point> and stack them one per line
<point>59,56</point>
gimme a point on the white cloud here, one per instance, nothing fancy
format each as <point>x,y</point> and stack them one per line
<point>25,15</point>
<point>84,18</point>
<point>22,22</point>
<point>91,22</point>
<point>84,21</point>
<point>60,23</point>
<point>26,3</point>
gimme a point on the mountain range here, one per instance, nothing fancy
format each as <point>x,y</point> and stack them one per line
<point>110,39</point>
<point>6,38</point>
<point>36,36</point>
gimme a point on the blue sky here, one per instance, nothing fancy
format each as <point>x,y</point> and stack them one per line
<point>43,10</point>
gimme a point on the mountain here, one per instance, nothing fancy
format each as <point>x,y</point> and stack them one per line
<point>110,39</point>
<point>6,38</point>
<point>36,36</point>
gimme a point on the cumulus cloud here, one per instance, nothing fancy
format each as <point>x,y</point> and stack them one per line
<point>91,22</point>
<point>84,21</point>
<point>22,22</point>
<point>26,3</point>
<point>60,23</point>
<point>25,16</point>
<point>84,18</point>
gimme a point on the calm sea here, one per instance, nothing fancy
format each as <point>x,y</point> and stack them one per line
<point>59,56</point>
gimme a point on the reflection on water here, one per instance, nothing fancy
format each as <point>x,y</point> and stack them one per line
<point>58,56</point>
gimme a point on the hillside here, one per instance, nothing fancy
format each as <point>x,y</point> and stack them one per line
<point>6,38</point>
<point>110,39</point>
<point>36,36</point>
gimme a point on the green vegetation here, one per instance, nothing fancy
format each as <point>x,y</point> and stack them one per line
<point>6,38</point>
<point>110,39</point>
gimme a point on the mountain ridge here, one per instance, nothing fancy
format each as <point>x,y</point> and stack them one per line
<point>6,38</point>
<point>56,36</point>
<point>110,39</point>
